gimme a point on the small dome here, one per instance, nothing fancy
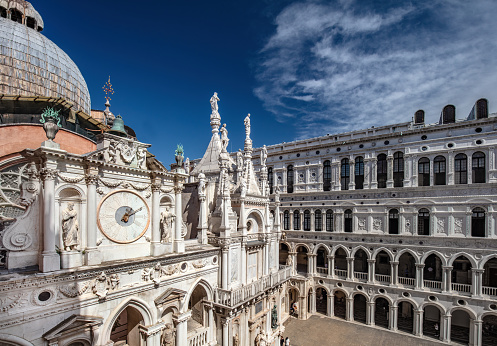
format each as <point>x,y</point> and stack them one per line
<point>31,64</point>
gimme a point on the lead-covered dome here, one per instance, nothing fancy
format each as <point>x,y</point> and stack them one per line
<point>31,64</point>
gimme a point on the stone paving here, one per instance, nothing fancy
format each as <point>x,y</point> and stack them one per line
<point>325,331</point>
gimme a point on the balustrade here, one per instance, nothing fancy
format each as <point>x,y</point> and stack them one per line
<point>322,270</point>
<point>198,337</point>
<point>433,284</point>
<point>361,276</point>
<point>407,281</point>
<point>491,291</point>
<point>464,288</point>
<point>341,273</point>
<point>382,278</point>
<point>239,295</point>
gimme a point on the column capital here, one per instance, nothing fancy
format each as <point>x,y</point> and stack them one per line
<point>182,317</point>
<point>447,267</point>
<point>372,260</point>
<point>394,263</point>
<point>477,270</point>
<point>156,187</point>
<point>48,173</point>
<point>331,257</point>
<point>420,265</point>
<point>91,179</point>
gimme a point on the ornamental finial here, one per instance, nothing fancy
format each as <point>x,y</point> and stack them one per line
<point>108,90</point>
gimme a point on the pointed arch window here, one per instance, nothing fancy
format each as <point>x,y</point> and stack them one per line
<point>327,175</point>
<point>289,179</point>
<point>296,220</point>
<point>345,174</point>
<point>286,220</point>
<point>359,173</point>
<point>439,169</point>
<point>424,171</point>
<point>398,169</point>
<point>307,220</point>
<point>461,169</point>
<point>478,164</point>
<point>329,220</point>
<point>381,171</point>
<point>318,220</point>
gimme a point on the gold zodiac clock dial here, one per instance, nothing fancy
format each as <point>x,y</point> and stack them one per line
<point>123,216</point>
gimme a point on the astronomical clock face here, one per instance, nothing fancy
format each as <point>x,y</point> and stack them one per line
<point>123,216</point>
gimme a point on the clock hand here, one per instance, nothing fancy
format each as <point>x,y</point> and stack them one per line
<point>136,211</point>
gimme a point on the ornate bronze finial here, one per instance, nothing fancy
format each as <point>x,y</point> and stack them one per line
<point>108,90</point>
<point>50,119</point>
<point>179,155</point>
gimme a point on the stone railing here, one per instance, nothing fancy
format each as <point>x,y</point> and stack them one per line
<point>341,273</point>
<point>407,281</point>
<point>433,284</point>
<point>198,337</point>
<point>239,295</point>
<point>382,277</point>
<point>322,270</point>
<point>491,291</point>
<point>361,276</point>
<point>464,288</point>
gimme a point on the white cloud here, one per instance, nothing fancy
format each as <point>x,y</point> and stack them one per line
<point>342,66</point>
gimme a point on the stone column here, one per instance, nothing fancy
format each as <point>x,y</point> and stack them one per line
<point>476,328</point>
<point>477,282</point>
<point>294,262</point>
<point>202,224</point>
<point>313,302</point>
<point>181,328</point>
<point>445,328</point>
<point>211,332</point>
<point>331,266</point>
<point>414,164</point>
<point>226,333</point>
<point>330,306</point>
<point>470,168</point>
<point>446,279</point>
<point>370,313</point>
<point>419,276</point>
<point>350,268</point>
<point>450,168</point>
<point>155,243</point>
<point>394,272</point>
<point>313,221</point>
<point>418,322</point>
<point>352,174</point>
<point>407,170</point>
<point>371,271</point>
<point>335,173</point>
<point>49,259</point>
<point>92,255</point>
<point>374,176</point>
<point>367,170</point>
<point>350,309</point>
<point>390,182</point>
<point>291,219</point>
<point>392,322</point>
<point>178,242</point>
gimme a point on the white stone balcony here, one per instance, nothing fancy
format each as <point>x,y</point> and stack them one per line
<point>240,295</point>
<point>461,288</point>
<point>382,278</point>
<point>491,291</point>
<point>198,337</point>
<point>341,273</point>
<point>407,281</point>
<point>432,284</point>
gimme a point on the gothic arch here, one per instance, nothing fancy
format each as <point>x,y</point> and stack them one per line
<point>304,245</point>
<point>384,249</point>
<point>364,294</point>
<point>484,260</point>
<point>387,298</point>
<point>134,302</point>
<point>335,248</point>
<point>340,290</point>
<point>321,245</point>
<point>439,306</point>
<point>403,251</point>
<point>322,287</point>
<point>437,253</point>
<point>469,257</point>
<point>360,247</point>
<point>487,313</point>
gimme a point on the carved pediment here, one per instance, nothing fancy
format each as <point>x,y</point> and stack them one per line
<point>170,295</point>
<point>76,324</point>
<point>120,151</point>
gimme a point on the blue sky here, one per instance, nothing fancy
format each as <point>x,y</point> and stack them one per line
<point>301,68</point>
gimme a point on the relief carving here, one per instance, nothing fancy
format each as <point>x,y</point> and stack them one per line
<point>458,225</point>
<point>361,223</point>
<point>377,224</point>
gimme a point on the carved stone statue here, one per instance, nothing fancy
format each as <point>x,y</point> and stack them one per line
<point>167,221</point>
<point>260,339</point>
<point>202,183</point>
<point>236,340</point>
<point>141,155</point>
<point>274,318</point>
<point>167,337</point>
<point>214,106</point>
<point>246,122</point>
<point>289,260</point>
<point>263,156</point>
<point>187,165</point>
<point>70,227</point>
<point>224,137</point>
<point>239,160</point>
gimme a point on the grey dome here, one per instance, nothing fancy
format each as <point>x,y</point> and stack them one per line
<point>31,64</point>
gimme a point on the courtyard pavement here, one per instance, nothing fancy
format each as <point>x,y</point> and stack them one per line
<point>324,331</point>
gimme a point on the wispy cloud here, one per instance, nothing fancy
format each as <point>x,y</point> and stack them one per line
<point>347,65</point>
